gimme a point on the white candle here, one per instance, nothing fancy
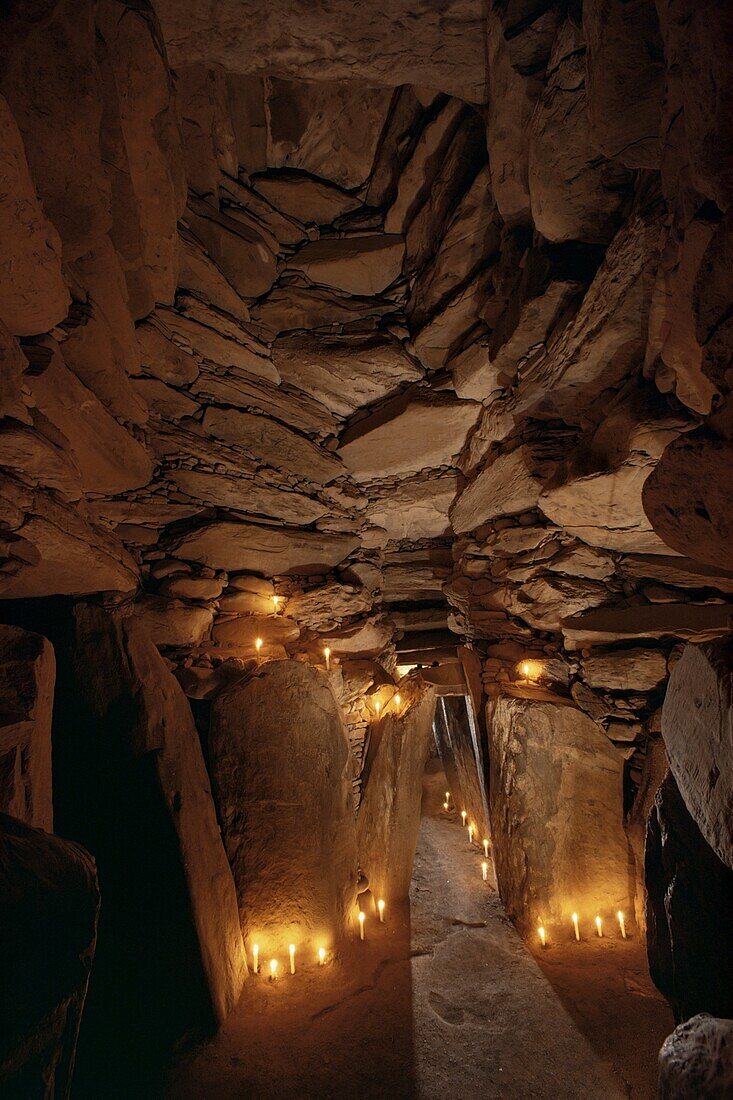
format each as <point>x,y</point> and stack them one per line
<point>575,926</point>
<point>484,870</point>
<point>362,918</point>
<point>599,927</point>
<point>445,807</point>
<point>256,957</point>
<point>464,815</point>
<point>486,848</point>
<point>621,924</point>
<point>543,938</point>
<point>397,700</point>
<point>258,645</point>
<point>470,834</point>
<point>327,655</point>
<point>273,969</point>
<point>276,603</point>
<point>380,907</point>
<point>321,956</point>
<point>447,796</point>
<point>377,707</point>
<point>291,949</point>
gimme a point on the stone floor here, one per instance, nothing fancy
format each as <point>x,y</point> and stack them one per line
<point>442,1003</point>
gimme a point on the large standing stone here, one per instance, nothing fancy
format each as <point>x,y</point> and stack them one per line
<point>696,1060</point>
<point>556,809</point>
<point>389,814</point>
<point>48,932</point>
<point>689,905</point>
<point>281,767</point>
<point>144,723</point>
<point>27,670</point>
<point>697,727</point>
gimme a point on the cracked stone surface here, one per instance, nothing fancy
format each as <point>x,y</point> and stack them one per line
<point>439,1002</point>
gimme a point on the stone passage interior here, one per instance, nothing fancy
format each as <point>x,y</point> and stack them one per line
<point>366,562</point>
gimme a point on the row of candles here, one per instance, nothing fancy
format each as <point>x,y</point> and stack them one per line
<point>541,931</point>
<point>274,964</point>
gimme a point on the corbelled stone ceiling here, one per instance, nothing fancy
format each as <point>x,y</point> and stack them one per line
<point>401,331</point>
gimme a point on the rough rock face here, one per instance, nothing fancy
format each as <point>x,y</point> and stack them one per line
<point>697,727</point>
<point>558,840</point>
<point>283,791</point>
<point>697,1060</point>
<point>27,671</point>
<point>48,933</point>
<point>139,708</point>
<point>689,899</point>
<point>460,734</point>
<point>389,815</point>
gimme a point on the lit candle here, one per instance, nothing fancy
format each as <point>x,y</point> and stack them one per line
<point>362,918</point>
<point>621,924</point>
<point>575,926</point>
<point>380,907</point>
<point>273,969</point>
<point>377,707</point>
<point>397,700</point>
<point>543,938</point>
<point>486,848</point>
<point>484,870</point>
<point>321,956</point>
<point>291,949</point>
<point>327,655</point>
<point>258,645</point>
<point>526,669</point>
<point>447,796</point>
<point>470,834</point>
<point>599,927</point>
<point>464,815</point>
<point>445,806</point>
<point>256,957</point>
<point>276,603</point>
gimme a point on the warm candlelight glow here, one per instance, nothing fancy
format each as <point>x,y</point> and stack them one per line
<point>621,924</point>
<point>273,969</point>
<point>256,957</point>
<point>470,834</point>
<point>447,796</point>
<point>484,870</point>
<point>543,938</point>
<point>380,907</point>
<point>327,655</point>
<point>377,707</point>
<point>362,918</point>
<point>464,815</point>
<point>445,806</point>
<point>599,927</point>
<point>321,956</point>
<point>530,670</point>
<point>258,644</point>
<point>276,603</point>
<point>398,700</point>
<point>575,926</point>
<point>291,949</point>
<point>486,848</point>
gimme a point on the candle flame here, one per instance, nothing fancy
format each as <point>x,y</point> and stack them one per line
<point>273,967</point>
<point>276,602</point>
<point>484,870</point>
<point>256,956</point>
<point>397,699</point>
<point>258,644</point>
<point>543,939</point>
<point>599,926</point>
<point>486,847</point>
<point>377,707</point>
<point>464,815</point>
<point>622,924</point>
<point>575,926</point>
<point>445,805</point>
<point>321,955</point>
<point>291,949</point>
<point>362,917</point>
<point>447,796</point>
<point>380,905</point>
